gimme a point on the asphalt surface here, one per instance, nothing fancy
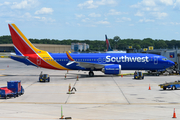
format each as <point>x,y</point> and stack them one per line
<point>102,97</point>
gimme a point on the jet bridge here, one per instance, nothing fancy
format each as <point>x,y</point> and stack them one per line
<point>173,55</point>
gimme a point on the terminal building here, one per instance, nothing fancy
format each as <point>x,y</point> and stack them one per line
<point>46,47</point>
<point>79,46</point>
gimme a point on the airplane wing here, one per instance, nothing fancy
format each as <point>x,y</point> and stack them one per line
<point>83,64</point>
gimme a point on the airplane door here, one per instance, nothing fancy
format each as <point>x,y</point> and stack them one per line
<point>38,61</point>
<point>155,60</point>
<point>104,60</point>
<point>99,60</point>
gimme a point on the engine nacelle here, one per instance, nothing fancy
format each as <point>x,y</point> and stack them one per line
<point>112,69</point>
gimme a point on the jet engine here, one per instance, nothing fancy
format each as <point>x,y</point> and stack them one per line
<point>112,69</point>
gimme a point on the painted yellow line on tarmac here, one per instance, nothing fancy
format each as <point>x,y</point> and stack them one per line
<point>2,69</point>
<point>2,75</point>
<point>90,103</point>
<point>28,118</point>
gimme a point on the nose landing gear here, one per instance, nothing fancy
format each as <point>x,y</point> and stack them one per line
<point>91,74</point>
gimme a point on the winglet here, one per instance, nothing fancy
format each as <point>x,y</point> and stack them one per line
<point>69,57</point>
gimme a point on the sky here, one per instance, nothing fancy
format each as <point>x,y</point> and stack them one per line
<point>92,19</point>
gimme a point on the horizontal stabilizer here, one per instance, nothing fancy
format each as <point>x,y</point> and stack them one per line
<point>18,56</point>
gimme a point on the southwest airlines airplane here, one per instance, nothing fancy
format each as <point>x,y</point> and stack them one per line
<point>108,63</point>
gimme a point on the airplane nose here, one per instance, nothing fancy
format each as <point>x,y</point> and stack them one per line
<point>171,63</point>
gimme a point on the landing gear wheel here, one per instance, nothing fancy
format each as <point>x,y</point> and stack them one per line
<point>91,74</point>
<point>164,88</point>
<point>173,88</point>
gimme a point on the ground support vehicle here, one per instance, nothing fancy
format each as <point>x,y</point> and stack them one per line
<point>44,78</point>
<point>13,89</point>
<point>5,92</point>
<point>171,85</point>
<point>138,75</point>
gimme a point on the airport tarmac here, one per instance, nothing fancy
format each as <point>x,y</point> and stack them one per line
<point>103,97</point>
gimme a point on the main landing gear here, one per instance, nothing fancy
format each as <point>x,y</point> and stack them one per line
<point>91,74</point>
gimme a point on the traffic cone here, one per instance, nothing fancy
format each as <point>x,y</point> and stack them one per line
<point>69,90</point>
<point>67,71</point>
<point>174,114</point>
<point>121,75</point>
<point>77,78</point>
<point>149,87</point>
<point>7,65</point>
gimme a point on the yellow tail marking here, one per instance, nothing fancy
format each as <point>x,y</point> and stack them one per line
<point>46,57</point>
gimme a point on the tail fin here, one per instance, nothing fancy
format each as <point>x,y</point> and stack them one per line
<point>108,44</point>
<point>21,44</point>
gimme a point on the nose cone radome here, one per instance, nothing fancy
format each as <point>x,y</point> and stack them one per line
<point>171,63</point>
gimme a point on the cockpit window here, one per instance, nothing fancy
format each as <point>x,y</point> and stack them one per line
<point>164,59</point>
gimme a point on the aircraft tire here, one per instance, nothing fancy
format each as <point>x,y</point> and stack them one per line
<point>173,88</point>
<point>164,88</point>
<point>91,74</point>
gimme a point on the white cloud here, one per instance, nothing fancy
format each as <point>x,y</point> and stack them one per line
<point>88,4</point>
<point>131,24</point>
<point>5,3</point>
<point>105,2</point>
<point>44,19</point>
<point>146,20</point>
<point>102,22</point>
<point>8,21</point>
<point>149,3</point>
<point>94,15</point>
<point>114,12</point>
<point>177,4</point>
<point>85,20</point>
<point>167,2</point>
<point>126,19</point>
<point>152,3</point>
<point>94,4</point>
<point>123,19</point>
<point>159,15</point>
<point>44,10</point>
<point>144,3</point>
<point>139,14</point>
<point>25,4</point>
<point>175,23</point>
<point>79,15</point>
<point>27,15</point>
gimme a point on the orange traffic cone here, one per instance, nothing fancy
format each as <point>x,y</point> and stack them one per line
<point>69,90</point>
<point>174,114</point>
<point>149,87</point>
<point>121,75</point>
<point>7,65</point>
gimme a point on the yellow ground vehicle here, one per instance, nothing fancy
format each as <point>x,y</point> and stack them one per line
<point>138,75</point>
<point>44,78</point>
<point>170,85</point>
